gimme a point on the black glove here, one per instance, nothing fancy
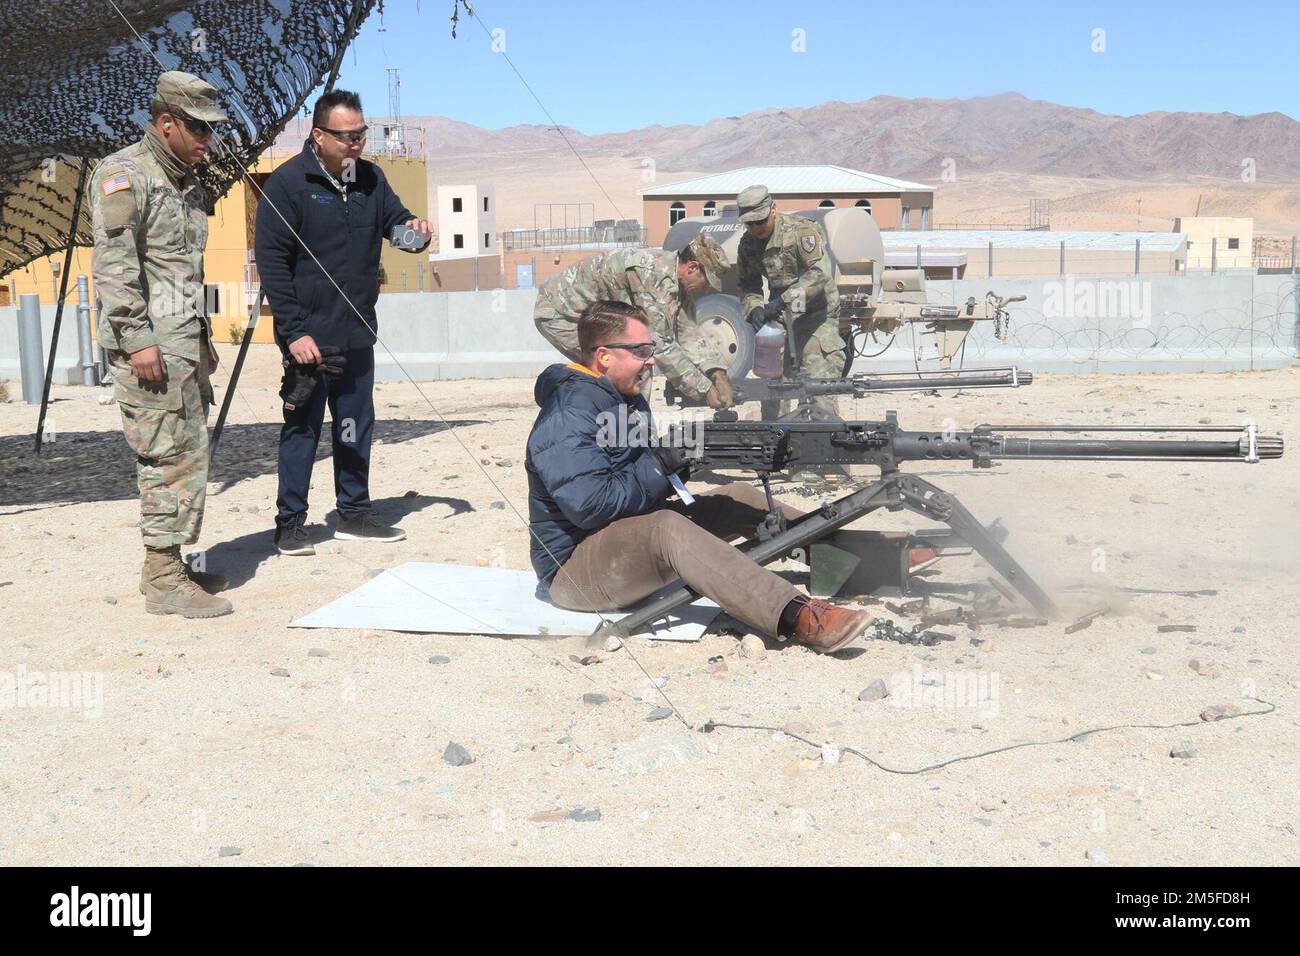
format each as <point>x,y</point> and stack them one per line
<point>757,317</point>
<point>773,310</point>
<point>673,459</point>
<point>298,383</point>
<point>300,377</point>
<point>332,360</point>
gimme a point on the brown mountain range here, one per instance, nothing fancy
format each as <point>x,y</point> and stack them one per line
<point>1031,146</point>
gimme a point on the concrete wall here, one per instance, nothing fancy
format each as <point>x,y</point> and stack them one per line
<point>67,365</point>
<point>455,335</point>
<point>1175,324</point>
<point>1194,323</point>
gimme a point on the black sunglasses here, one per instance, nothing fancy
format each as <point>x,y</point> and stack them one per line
<point>641,350</point>
<point>347,135</point>
<point>196,126</point>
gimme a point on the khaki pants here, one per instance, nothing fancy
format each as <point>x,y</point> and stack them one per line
<point>165,423</point>
<point>633,557</point>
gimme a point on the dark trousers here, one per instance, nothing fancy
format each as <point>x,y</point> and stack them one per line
<point>350,397</point>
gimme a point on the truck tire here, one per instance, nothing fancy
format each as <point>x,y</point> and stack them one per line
<point>726,330</point>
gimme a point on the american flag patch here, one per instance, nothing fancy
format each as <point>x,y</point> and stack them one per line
<point>116,184</point>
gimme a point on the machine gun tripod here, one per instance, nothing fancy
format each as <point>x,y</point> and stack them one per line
<point>769,447</point>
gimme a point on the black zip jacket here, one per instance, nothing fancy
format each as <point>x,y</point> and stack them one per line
<point>344,229</point>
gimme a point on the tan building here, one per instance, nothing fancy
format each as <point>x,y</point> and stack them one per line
<point>229,270</point>
<point>1217,242</point>
<point>893,203</point>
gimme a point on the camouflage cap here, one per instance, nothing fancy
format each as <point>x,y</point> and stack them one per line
<point>755,203</point>
<point>711,257</point>
<point>188,94</point>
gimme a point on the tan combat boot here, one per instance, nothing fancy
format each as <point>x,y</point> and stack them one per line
<point>169,590</point>
<point>827,628</point>
<point>209,581</point>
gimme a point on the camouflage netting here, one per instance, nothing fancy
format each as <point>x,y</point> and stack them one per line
<point>77,83</point>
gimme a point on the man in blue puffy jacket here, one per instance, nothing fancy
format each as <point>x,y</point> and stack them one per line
<point>605,534</point>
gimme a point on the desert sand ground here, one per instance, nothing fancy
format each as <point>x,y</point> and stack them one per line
<point>203,744</point>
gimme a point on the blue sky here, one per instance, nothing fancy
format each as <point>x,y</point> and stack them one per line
<point>607,66</point>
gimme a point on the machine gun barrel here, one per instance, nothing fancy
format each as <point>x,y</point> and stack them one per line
<point>757,389</point>
<point>768,447</point>
<point>1081,449</point>
<point>763,390</point>
<point>1250,446</point>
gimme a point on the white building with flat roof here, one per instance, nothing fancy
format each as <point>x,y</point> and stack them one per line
<point>467,220</point>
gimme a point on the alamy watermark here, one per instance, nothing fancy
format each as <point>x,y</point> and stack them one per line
<point>1072,298</point>
<point>629,428</point>
<point>129,910</point>
<point>69,690</point>
<point>976,690</point>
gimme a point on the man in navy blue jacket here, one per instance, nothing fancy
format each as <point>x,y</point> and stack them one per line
<point>320,224</point>
<point>604,534</point>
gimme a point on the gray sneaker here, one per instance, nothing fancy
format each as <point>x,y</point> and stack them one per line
<point>292,539</point>
<point>364,527</point>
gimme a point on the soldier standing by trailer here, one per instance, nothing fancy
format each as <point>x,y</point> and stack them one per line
<point>664,286</point>
<point>791,253</point>
<point>149,215</point>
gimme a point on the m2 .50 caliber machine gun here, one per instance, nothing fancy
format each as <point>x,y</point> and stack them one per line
<point>766,448</point>
<point>802,390</point>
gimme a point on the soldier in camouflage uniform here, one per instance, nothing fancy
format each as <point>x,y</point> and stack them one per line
<point>665,286</point>
<point>150,224</point>
<point>790,252</point>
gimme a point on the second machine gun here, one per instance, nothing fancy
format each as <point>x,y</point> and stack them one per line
<point>767,448</point>
<point>801,390</point>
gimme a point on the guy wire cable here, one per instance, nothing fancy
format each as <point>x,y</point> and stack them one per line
<point>447,426</point>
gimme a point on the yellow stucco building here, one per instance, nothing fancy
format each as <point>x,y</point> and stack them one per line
<point>229,270</point>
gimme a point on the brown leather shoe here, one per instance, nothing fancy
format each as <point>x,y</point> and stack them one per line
<point>827,628</point>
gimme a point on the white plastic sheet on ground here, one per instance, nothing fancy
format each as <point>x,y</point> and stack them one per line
<point>426,598</point>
